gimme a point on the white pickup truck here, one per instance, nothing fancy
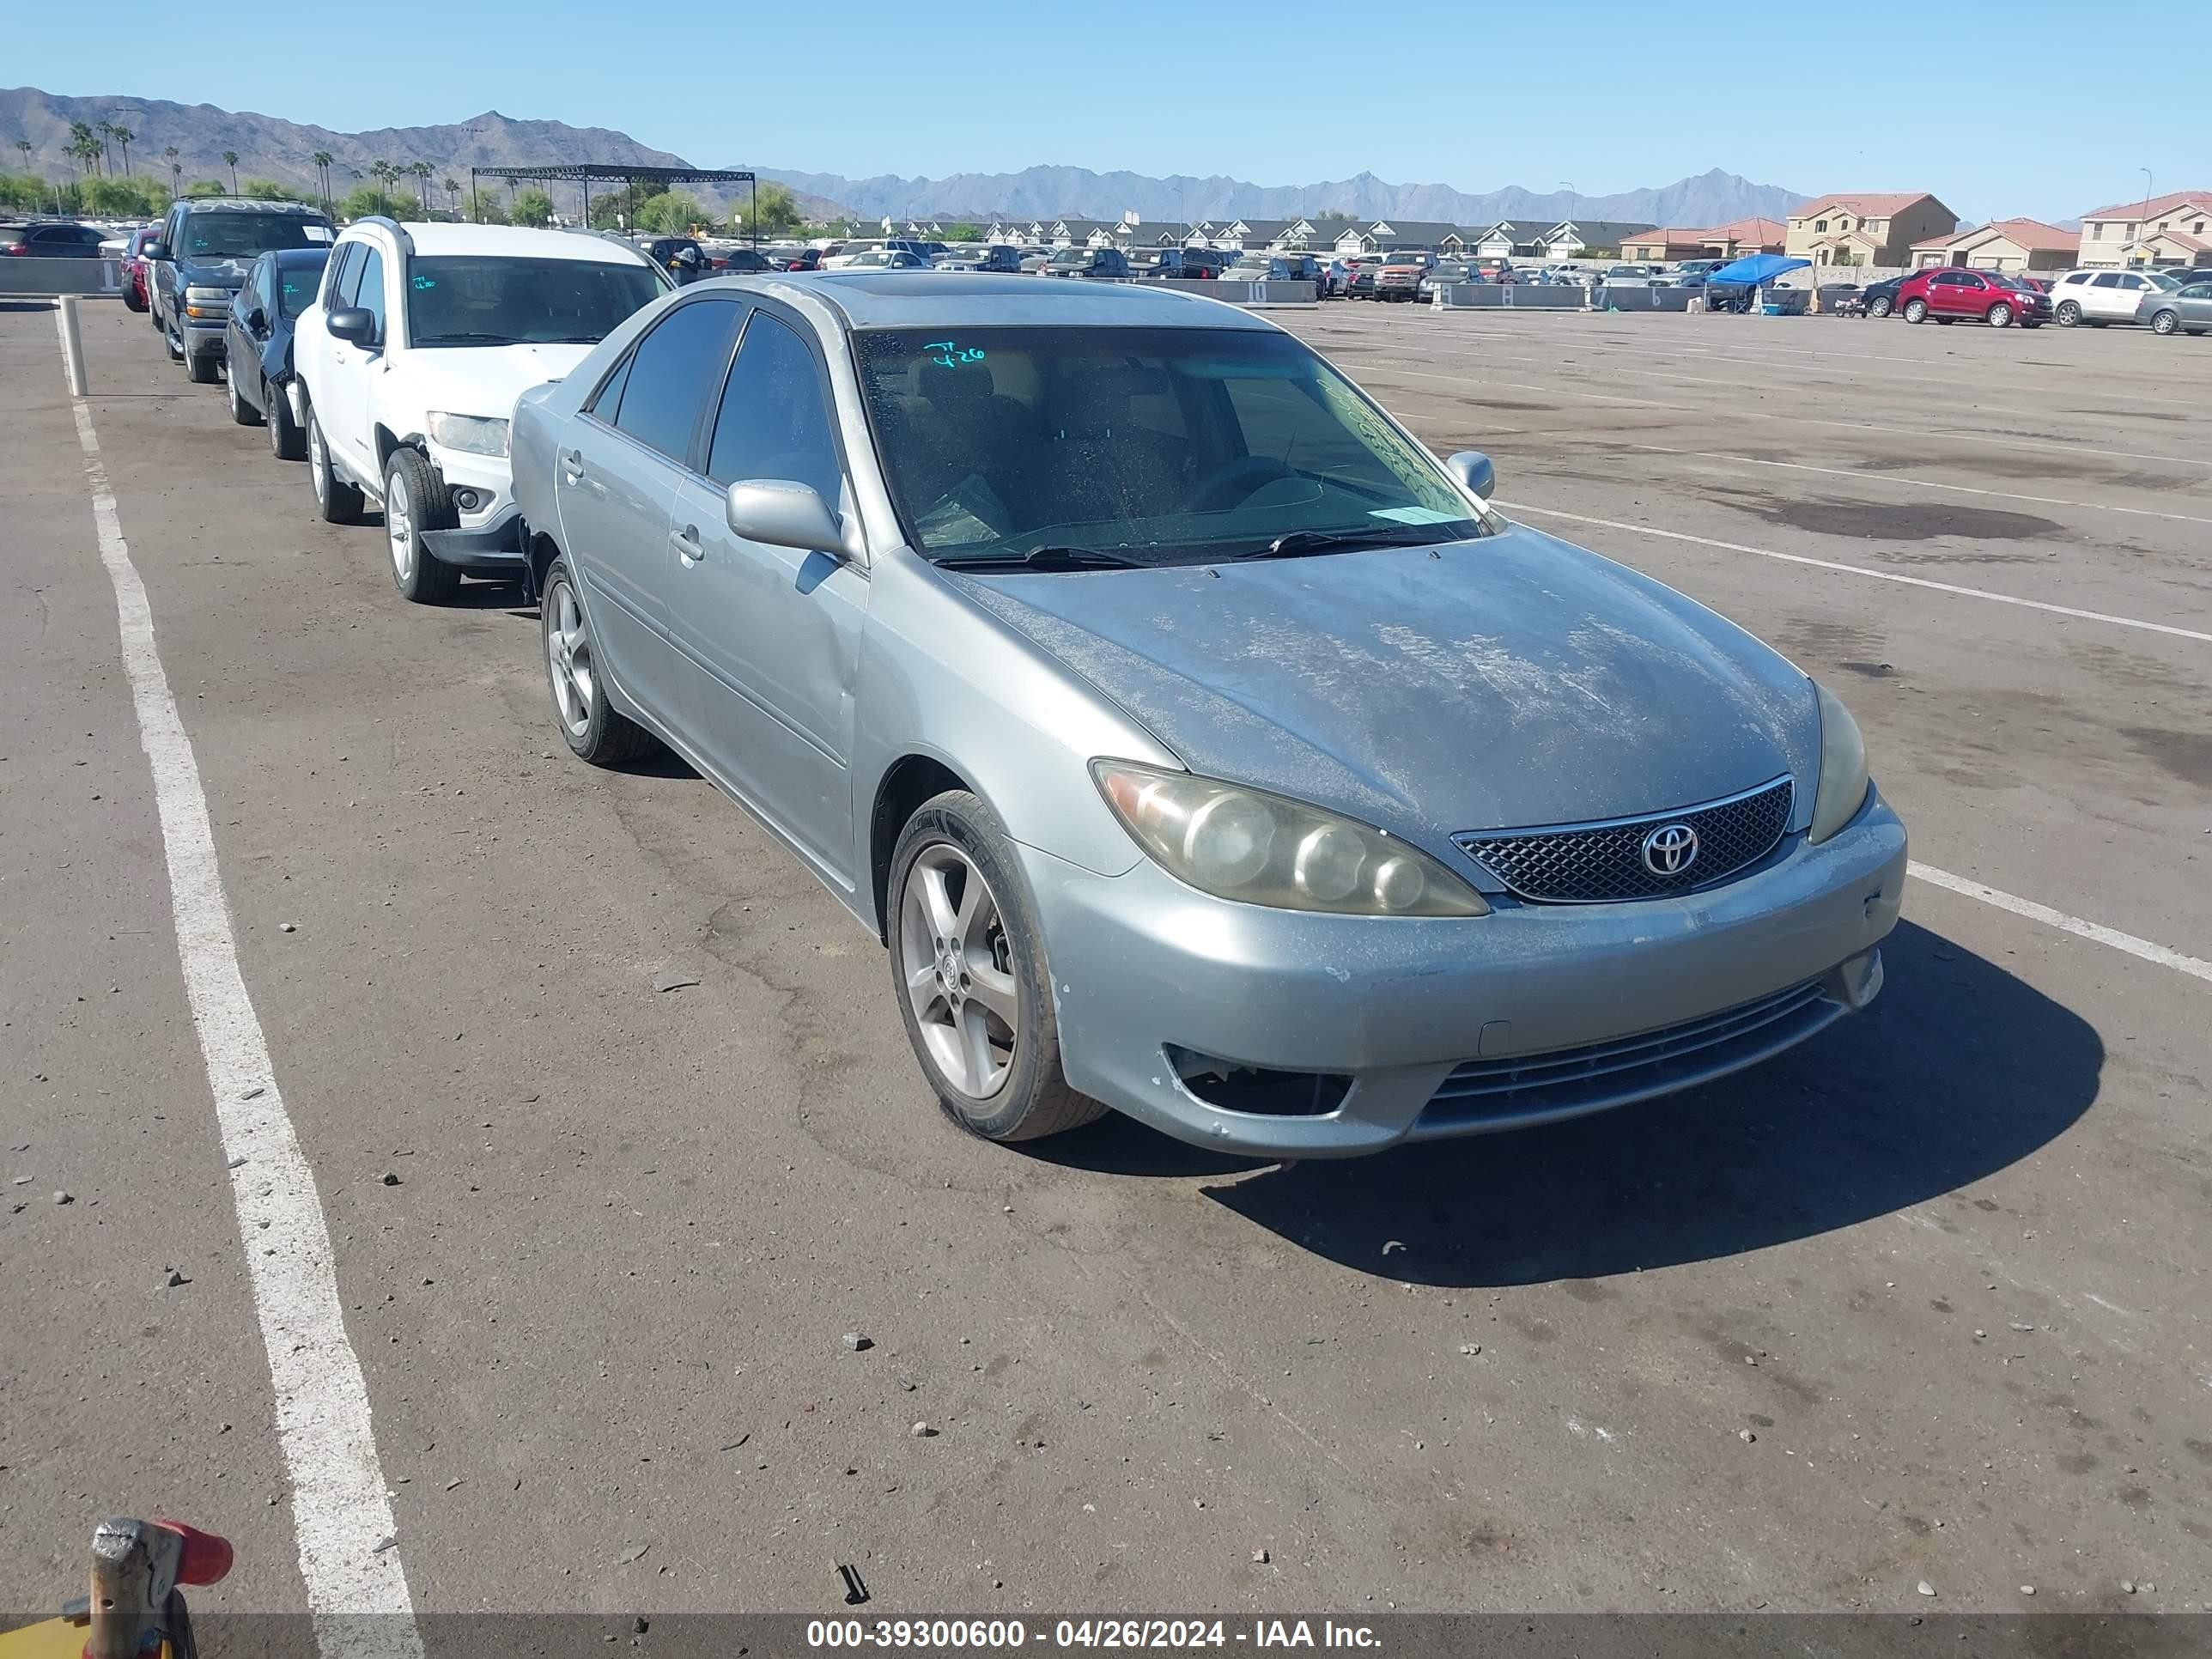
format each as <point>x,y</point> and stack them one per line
<point>408,364</point>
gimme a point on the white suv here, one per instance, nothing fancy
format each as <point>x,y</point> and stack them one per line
<point>407,367</point>
<point>2098,297</point>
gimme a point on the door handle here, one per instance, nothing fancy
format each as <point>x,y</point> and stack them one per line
<point>686,542</point>
<point>572,466</point>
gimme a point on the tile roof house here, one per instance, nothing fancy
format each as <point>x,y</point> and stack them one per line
<point>2002,245</point>
<point>2159,231</point>
<point>1729,241</point>
<point>1865,227</point>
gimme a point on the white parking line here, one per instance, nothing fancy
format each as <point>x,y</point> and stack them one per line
<point>340,1513</point>
<point>1477,383</point>
<point>1863,570</point>
<point>1864,475</point>
<point>2196,967</point>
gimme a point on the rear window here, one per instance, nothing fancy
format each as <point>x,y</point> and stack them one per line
<point>238,236</point>
<point>296,287</point>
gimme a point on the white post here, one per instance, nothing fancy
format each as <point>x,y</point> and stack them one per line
<point>66,314</point>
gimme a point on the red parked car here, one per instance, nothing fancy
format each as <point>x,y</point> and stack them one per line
<point>1996,297</point>
<point>134,267</point>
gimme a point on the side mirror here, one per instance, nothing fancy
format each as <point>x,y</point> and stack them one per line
<point>782,513</point>
<point>355,324</point>
<point>1475,472</point>
<point>256,319</point>
<point>156,251</point>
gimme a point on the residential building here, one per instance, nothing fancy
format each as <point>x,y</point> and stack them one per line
<point>1572,236</point>
<point>2174,229</point>
<point>1866,228</point>
<point>1729,241</point>
<point>2002,245</point>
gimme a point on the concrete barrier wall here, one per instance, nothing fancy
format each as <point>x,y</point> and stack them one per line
<point>1251,296</point>
<point>1638,297</point>
<point>48,277</point>
<point>1512,296</point>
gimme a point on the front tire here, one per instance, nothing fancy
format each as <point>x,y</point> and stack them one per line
<point>968,967</point>
<point>337,500</point>
<point>286,442</point>
<point>241,412</point>
<point>1916,311</point>
<point>2166,322</point>
<point>2068,315</point>
<point>2000,315</point>
<point>415,500</point>
<point>595,730</point>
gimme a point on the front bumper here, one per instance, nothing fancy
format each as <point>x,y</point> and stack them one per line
<point>489,534</point>
<point>1450,1027</point>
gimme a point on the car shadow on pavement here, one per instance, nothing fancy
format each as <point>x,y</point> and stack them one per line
<point>1958,1070</point>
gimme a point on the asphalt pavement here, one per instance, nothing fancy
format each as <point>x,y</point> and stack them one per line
<point>1925,1299</point>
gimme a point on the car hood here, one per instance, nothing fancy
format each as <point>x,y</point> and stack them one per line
<point>487,380</point>
<point>217,273</point>
<point>1505,682</point>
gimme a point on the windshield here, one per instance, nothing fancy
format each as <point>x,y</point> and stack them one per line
<point>470,299</point>
<point>1166,446</point>
<point>296,287</point>
<point>2160,279</point>
<point>212,235</point>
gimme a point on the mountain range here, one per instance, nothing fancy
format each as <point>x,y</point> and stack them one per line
<point>271,147</point>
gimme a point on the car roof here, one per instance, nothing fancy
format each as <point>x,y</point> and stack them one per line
<point>436,239</point>
<point>300,256</point>
<point>872,299</point>
<point>249,204</point>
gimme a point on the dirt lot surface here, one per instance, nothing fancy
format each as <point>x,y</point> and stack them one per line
<point>1926,1299</point>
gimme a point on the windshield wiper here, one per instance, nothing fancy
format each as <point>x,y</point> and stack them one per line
<point>1297,543</point>
<point>1042,558</point>
<point>470,339</point>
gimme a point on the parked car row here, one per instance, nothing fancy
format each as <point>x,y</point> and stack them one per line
<point>904,567</point>
<point>2164,301</point>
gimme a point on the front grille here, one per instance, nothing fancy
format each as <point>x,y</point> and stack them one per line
<point>1603,863</point>
<point>1566,1081</point>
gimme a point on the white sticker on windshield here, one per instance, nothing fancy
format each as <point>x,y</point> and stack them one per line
<point>316,232</point>
<point>1415,515</point>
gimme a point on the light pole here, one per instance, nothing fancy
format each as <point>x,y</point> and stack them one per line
<point>2143,224</point>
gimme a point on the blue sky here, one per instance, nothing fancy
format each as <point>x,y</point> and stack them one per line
<point>1610,95</point>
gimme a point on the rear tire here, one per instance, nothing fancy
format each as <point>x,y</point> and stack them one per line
<point>416,499</point>
<point>955,838</point>
<point>337,500</point>
<point>1916,311</point>
<point>2166,322</point>
<point>596,732</point>
<point>1881,308</point>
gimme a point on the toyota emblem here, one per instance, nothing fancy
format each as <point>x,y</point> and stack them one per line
<point>1670,850</point>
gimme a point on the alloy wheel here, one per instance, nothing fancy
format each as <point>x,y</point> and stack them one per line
<point>958,963</point>
<point>399,523</point>
<point>568,657</point>
<point>318,463</point>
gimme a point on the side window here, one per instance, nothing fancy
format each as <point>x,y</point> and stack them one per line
<point>773,422</point>
<point>608,399</point>
<point>2108,280</point>
<point>345,276</point>
<point>369,294</point>
<point>670,374</point>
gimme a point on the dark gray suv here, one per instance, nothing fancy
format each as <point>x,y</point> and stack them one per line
<point>199,260</point>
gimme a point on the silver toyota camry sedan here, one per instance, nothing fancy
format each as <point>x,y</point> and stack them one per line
<point>1197,743</point>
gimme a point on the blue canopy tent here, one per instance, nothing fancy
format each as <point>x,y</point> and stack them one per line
<point>1735,285</point>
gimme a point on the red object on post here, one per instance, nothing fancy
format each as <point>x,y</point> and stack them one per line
<point>204,1557</point>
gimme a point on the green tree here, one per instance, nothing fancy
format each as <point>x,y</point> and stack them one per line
<point>122,136</point>
<point>267,190</point>
<point>24,144</point>
<point>230,160</point>
<point>322,159</point>
<point>422,172</point>
<point>513,184</point>
<point>366,199</point>
<point>532,207</point>
<point>454,195</point>
<point>207,187</point>
<point>670,213</point>
<point>176,169</point>
<point>123,198</point>
<point>485,209</point>
<point>964,233</point>
<point>773,211</point>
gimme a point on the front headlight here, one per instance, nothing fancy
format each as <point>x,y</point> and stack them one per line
<point>475,434</point>
<point>207,296</point>
<point>1843,788</point>
<point>1238,843</point>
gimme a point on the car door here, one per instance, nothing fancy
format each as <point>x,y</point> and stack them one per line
<point>2110,293</point>
<point>2194,305</point>
<point>241,341</point>
<point>769,635</point>
<point>615,477</point>
<point>342,402</point>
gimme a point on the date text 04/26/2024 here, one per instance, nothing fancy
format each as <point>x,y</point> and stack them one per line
<point>985,1636</point>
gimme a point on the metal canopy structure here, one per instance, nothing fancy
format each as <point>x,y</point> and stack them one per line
<point>585,175</point>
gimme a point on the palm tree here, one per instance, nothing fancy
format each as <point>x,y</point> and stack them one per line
<point>230,160</point>
<point>81,142</point>
<point>512,182</point>
<point>106,131</point>
<point>454,197</point>
<point>176,169</point>
<point>24,144</point>
<point>322,159</point>
<point>423,170</point>
<point>122,136</point>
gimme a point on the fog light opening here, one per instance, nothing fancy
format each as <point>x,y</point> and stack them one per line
<point>467,500</point>
<point>1255,1089</point>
